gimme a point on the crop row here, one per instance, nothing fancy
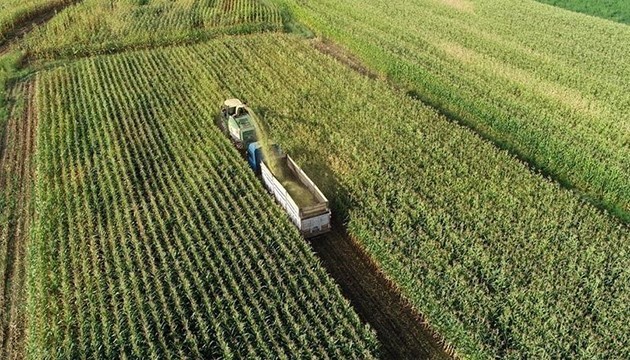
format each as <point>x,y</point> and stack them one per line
<point>616,10</point>
<point>8,65</point>
<point>12,12</point>
<point>154,240</point>
<point>101,26</point>
<point>547,84</point>
<point>501,261</point>
<point>16,182</point>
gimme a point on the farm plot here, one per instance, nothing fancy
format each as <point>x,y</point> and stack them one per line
<point>102,26</point>
<point>12,12</point>
<point>8,68</point>
<point>549,85</point>
<point>616,10</point>
<point>154,240</point>
<point>501,261</point>
<point>16,212</point>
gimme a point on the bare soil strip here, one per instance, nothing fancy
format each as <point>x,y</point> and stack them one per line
<point>401,331</point>
<point>16,181</point>
<point>29,22</point>
<point>326,47</point>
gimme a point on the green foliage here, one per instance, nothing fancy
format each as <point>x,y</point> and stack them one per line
<point>13,12</point>
<point>504,263</point>
<point>547,84</point>
<point>291,25</point>
<point>8,65</point>
<point>103,26</point>
<point>154,239</point>
<point>616,10</point>
<point>8,69</point>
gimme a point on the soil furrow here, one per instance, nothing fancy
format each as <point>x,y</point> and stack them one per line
<point>18,168</point>
<point>400,330</point>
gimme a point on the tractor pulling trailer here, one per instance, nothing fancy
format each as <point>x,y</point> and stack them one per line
<point>298,195</point>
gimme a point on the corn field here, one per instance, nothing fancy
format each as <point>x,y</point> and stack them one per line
<point>547,84</point>
<point>12,12</point>
<point>154,239</point>
<point>501,261</point>
<point>101,26</point>
<point>8,64</point>
<point>615,10</point>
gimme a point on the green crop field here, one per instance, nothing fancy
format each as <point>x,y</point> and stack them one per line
<point>100,26</point>
<point>153,239</point>
<point>7,69</point>
<point>616,10</point>
<point>545,83</point>
<point>485,249</point>
<point>12,12</point>
<point>474,153</point>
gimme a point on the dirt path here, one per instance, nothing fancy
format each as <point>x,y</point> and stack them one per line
<point>400,330</point>
<point>16,180</point>
<point>329,48</point>
<point>28,23</point>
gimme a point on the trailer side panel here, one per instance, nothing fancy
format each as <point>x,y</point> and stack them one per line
<point>312,220</point>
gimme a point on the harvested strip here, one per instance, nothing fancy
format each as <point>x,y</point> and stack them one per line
<point>16,212</point>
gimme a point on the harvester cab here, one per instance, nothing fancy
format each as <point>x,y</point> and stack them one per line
<point>237,122</point>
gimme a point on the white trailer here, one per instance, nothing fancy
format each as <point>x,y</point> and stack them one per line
<point>312,219</point>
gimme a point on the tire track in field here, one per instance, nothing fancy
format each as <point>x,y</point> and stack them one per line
<point>16,180</point>
<point>29,22</point>
<point>401,331</point>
